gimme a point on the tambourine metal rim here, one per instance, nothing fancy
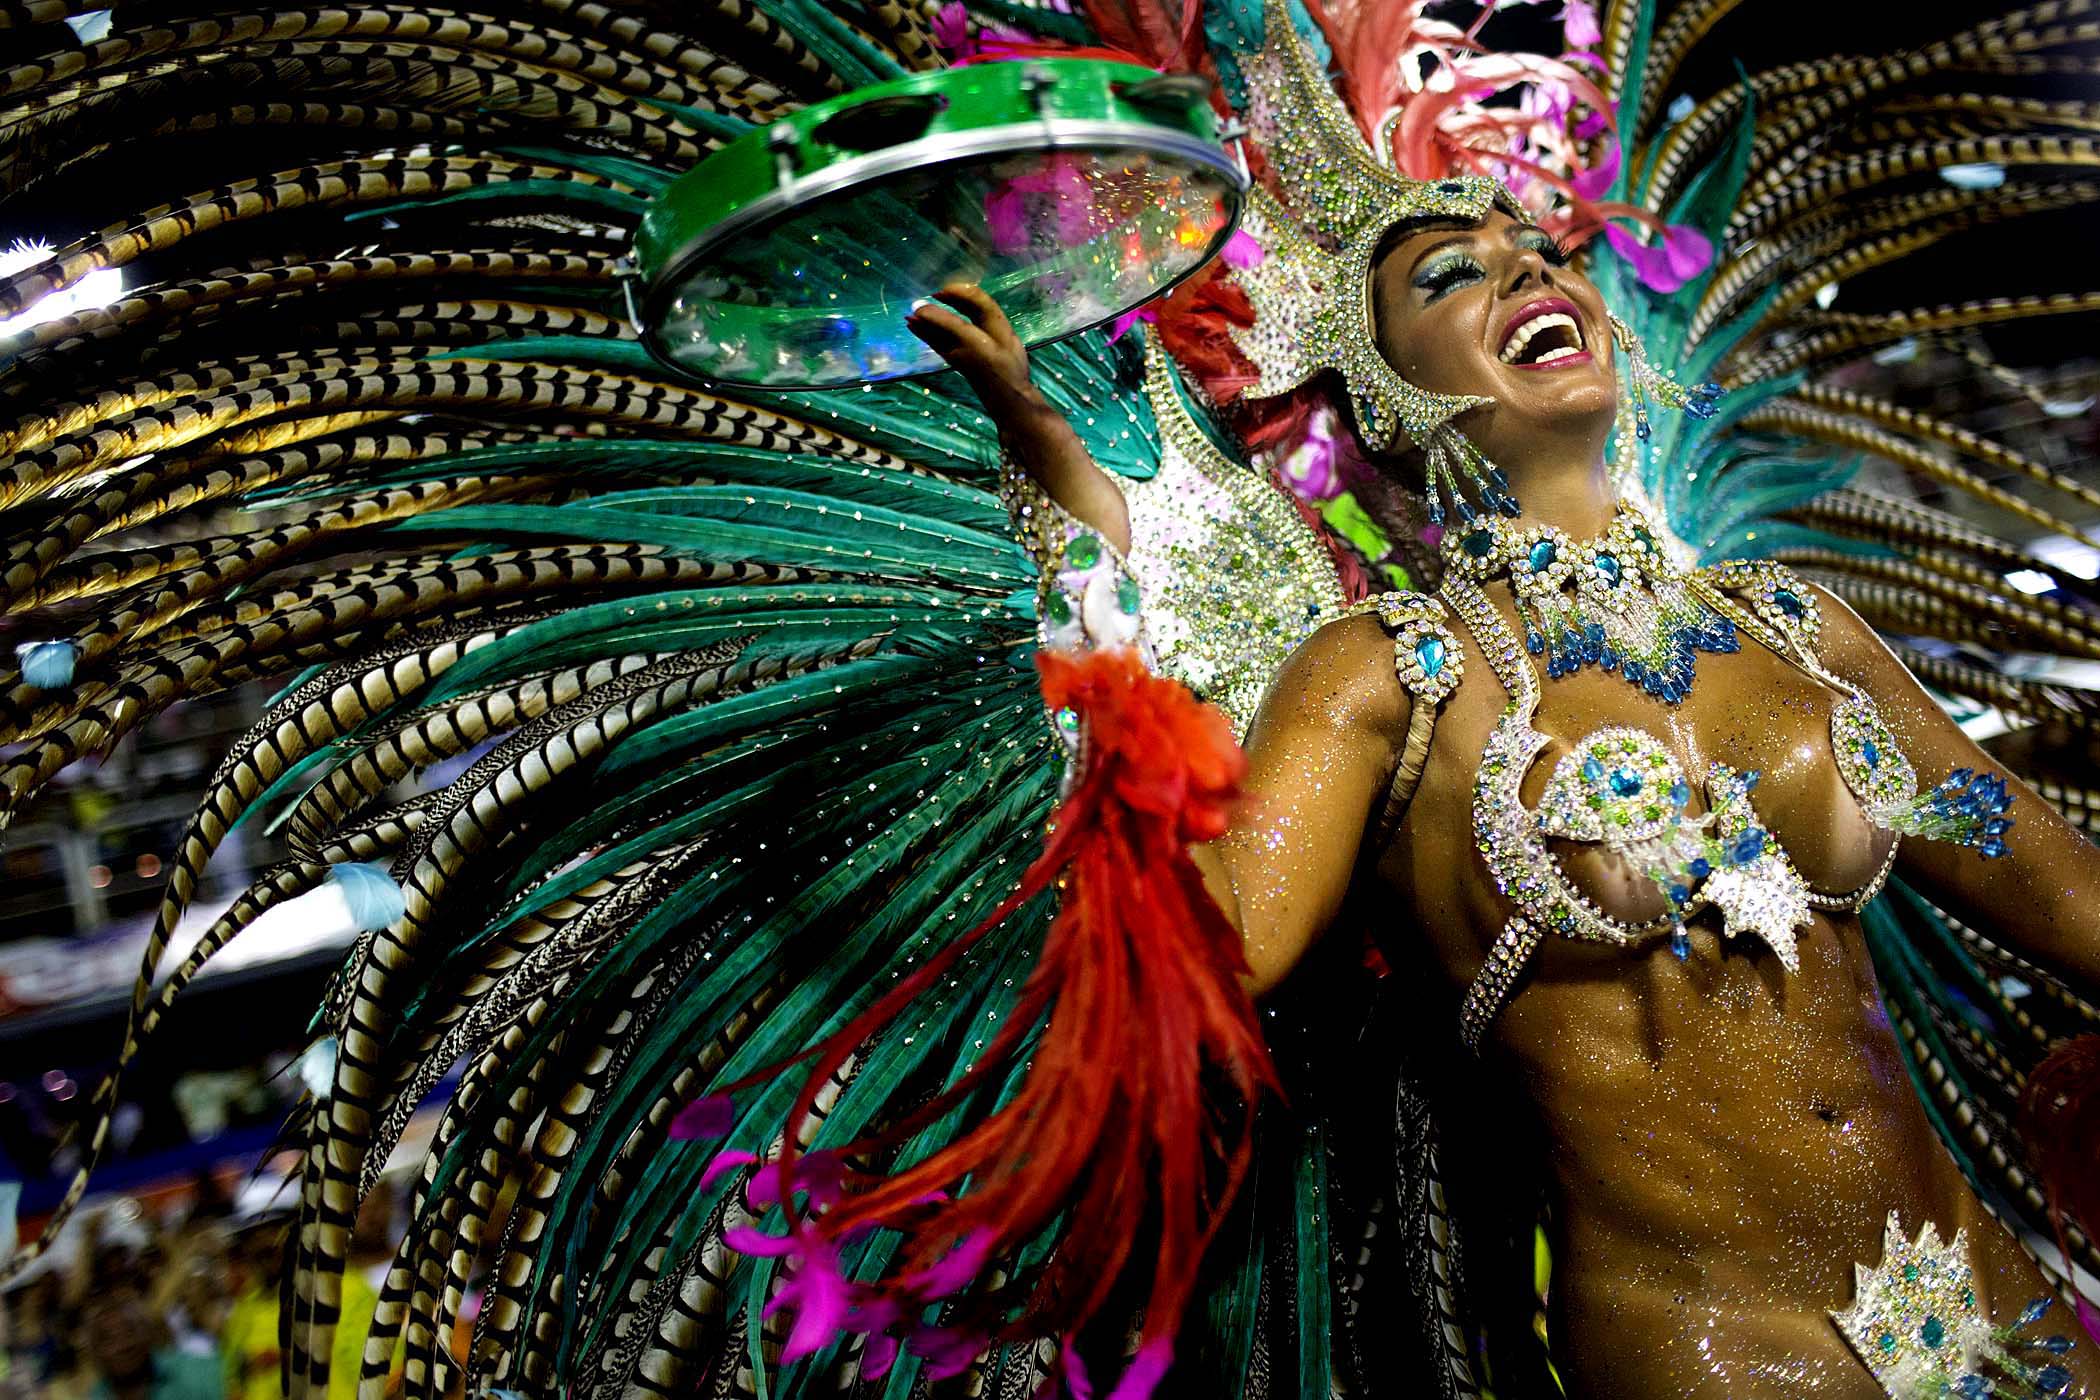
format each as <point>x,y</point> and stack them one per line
<point>660,285</point>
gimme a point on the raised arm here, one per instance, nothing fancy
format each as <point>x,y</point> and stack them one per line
<point>970,332</point>
<point>2041,899</point>
<point>1327,735</point>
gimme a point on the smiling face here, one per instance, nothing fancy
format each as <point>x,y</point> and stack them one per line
<point>1495,310</point>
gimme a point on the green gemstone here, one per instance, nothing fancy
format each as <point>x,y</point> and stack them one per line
<point>1059,608</point>
<point>1479,543</point>
<point>1933,1332</point>
<point>1083,552</point>
<point>1886,1341</point>
<point>1910,1273</point>
<point>1127,596</point>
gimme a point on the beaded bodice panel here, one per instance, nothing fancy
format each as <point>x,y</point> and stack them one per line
<point>1233,578</point>
<point>1230,576</point>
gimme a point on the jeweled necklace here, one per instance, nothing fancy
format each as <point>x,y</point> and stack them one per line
<point>1617,601</point>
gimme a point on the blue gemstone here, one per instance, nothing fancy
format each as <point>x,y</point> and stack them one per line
<point>1748,847</point>
<point>1680,893</point>
<point>1542,556</point>
<point>1608,565</point>
<point>1680,794</point>
<point>2053,1380</point>
<point>2032,1313</point>
<point>1625,782</point>
<point>1429,654</point>
<point>1593,771</point>
<point>1933,1332</point>
<point>1700,868</point>
<point>1992,848</point>
<point>1680,943</point>
<point>1870,753</point>
<point>1972,1387</point>
<point>1788,602</point>
<point>1479,543</point>
<point>1534,643</point>
<point>1750,781</point>
<point>2057,1346</point>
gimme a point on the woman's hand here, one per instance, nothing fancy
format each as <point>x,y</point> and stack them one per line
<point>967,329</point>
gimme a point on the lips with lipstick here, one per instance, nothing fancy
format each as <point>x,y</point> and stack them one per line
<point>1546,334</point>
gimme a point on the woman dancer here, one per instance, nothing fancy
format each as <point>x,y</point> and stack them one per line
<point>748,690</point>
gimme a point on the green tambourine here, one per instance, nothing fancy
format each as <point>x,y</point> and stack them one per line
<point>1070,189</point>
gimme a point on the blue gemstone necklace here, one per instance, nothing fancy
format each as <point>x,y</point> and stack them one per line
<point>1618,602</point>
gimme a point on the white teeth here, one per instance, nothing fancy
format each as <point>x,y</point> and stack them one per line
<point>1521,337</point>
<point>1560,354</point>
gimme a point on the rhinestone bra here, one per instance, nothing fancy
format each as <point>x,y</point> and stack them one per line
<point>1622,788</point>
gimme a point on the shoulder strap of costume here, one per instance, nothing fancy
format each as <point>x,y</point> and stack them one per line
<point>1780,608</point>
<point>1430,662</point>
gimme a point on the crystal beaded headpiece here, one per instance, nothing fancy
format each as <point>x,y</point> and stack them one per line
<point>1312,292</point>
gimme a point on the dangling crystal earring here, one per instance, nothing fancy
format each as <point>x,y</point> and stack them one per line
<point>1645,383</point>
<point>1389,408</point>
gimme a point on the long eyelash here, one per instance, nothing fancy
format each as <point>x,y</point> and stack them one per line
<point>1553,250</point>
<point>1439,278</point>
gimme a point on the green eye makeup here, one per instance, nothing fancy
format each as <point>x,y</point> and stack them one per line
<point>1447,271</point>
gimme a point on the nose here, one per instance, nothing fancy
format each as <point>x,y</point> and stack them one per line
<point>1526,270</point>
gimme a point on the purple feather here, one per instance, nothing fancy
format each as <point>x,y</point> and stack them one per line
<point>711,1117</point>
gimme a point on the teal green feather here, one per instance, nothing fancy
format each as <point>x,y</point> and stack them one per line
<point>537,192</point>
<point>1315,1304</point>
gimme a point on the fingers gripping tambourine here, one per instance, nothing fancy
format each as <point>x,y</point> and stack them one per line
<point>1071,190</point>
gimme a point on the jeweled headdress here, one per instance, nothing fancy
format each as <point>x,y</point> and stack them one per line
<point>1312,290</point>
<point>1311,293</point>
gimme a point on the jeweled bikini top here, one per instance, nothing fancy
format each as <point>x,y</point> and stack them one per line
<point>1637,613</point>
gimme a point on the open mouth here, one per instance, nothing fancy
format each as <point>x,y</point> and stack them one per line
<point>1544,333</point>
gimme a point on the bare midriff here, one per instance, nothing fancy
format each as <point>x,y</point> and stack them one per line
<point>1726,1140</point>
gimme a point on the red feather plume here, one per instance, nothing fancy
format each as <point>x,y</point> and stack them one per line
<point>1135,1114</point>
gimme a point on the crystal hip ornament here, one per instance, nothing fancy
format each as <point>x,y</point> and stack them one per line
<point>1645,384</point>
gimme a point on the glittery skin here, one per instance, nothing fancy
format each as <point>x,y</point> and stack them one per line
<point>1727,1140</point>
